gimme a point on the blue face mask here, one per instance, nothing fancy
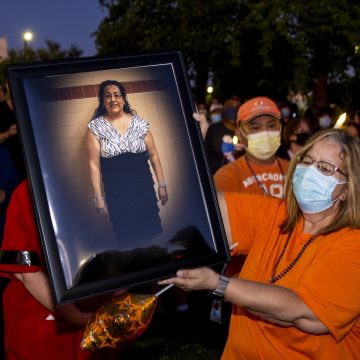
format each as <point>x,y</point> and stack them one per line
<point>313,190</point>
<point>215,118</point>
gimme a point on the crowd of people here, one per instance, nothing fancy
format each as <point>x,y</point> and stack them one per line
<point>288,190</point>
<point>297,125</point>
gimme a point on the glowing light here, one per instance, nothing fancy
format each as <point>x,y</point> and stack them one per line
<point>210,89</point>
<point>340,121</point>
<point>28,36</point>
<point>235,140</point>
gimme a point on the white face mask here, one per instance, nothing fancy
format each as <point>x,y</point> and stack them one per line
<point>263,145</point>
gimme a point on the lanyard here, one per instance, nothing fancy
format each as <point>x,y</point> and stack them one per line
<point>260,184</point>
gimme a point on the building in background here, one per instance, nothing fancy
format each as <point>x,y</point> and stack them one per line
<point>3,48</point>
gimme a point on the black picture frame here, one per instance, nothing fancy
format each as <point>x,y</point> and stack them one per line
<point>53,103</point>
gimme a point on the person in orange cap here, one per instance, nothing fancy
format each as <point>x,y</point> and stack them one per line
<point>259,170</point>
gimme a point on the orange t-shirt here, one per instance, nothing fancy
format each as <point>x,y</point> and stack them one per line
<point>238,177</point>
<point>326,278</point>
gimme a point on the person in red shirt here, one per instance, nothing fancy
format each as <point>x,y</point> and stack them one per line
<point>298,293</point>
<point>34,327</point>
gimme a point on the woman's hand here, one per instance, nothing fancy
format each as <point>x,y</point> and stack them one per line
<point>196,279</point>
<point>100,206</point>
<point>12,130</point>
<point>7,134</point>
<point>204,125</point>
<point>163,195</point>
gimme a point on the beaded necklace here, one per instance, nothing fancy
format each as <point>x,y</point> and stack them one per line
<point>275,277</point>
<point>260,184</point>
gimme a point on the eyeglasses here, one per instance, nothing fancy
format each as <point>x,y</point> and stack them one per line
<point>109,96</point>
<point>323,166</point>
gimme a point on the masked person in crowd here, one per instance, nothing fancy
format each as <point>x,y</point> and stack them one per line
<point>259,170</point>
<point>216,133</point>
<point>294,136</point>
<point>298,294</point>
<point>324,119</point>
<point>215,115</point>
<point>286,113</point>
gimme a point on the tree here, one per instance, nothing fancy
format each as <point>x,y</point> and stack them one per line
<point>153,25</point>
<point>321,36</point>
<point>251,46</point>
<point>51,51</point>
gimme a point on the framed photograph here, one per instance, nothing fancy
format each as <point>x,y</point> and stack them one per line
<point>117,169</point>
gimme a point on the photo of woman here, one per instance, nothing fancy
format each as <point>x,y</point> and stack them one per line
<point>116,173</point>
<point>120,147</point>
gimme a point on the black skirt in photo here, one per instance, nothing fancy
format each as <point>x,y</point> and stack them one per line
<point>131,199</point>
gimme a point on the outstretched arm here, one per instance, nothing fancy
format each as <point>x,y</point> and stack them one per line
<point>276,304</point>
<point>93,147</point>
<point>156,165</point>
<point>272,303</point>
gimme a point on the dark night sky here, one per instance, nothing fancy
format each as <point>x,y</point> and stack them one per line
<point>66,22</point>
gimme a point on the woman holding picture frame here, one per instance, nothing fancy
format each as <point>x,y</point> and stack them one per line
<point>120,144</point>
<point>297,296</point>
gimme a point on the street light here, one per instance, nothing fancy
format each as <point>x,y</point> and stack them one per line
<point>27,36</point>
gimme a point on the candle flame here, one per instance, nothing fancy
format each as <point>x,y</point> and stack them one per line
<point>340,121</point>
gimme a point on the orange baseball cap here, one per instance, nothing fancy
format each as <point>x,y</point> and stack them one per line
<point>256,107</point>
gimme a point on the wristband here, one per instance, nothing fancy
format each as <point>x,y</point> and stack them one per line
<point>219,292</point>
